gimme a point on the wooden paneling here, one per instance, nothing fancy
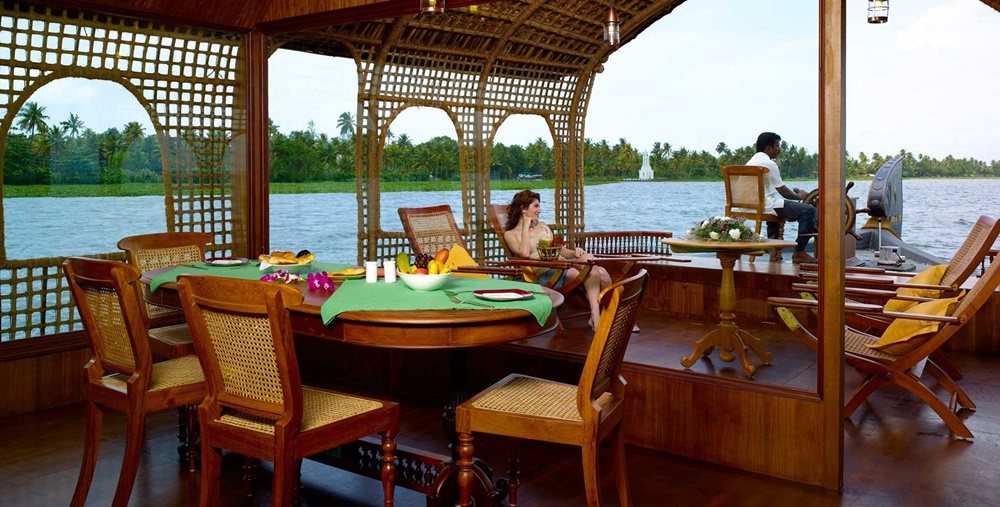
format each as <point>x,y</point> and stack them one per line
<point>729,423</point>
<point>41,382</point>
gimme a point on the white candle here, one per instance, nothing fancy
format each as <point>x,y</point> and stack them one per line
<point>371,271</point>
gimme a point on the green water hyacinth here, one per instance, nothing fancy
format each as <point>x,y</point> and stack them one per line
<point>724,229</point>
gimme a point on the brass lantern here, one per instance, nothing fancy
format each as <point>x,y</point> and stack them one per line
<point>878,11</point>
<point>432,6</point>
<point>612,28</point>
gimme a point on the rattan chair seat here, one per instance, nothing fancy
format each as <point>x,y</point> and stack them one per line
<point>166,374</point>
<point>319,409</point>
<point>535,397</point>
<point>177,335</point>
<point>854,342</point>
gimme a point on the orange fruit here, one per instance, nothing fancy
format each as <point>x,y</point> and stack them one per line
<point>442,255</point>
<point>421,271</point>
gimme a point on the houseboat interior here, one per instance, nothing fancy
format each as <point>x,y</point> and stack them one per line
<point>769,427</point>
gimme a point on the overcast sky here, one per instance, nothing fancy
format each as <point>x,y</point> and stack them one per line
<point>712,71</point>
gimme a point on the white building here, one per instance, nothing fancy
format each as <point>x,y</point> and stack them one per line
<point>646,171</point>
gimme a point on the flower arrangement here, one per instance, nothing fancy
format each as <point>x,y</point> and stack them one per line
<point>281,276</point>
<point>724,229</point>
<point>320,281</point>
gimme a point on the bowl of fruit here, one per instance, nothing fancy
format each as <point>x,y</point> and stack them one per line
<point>426,273</point>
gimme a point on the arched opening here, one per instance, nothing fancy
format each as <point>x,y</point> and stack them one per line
<point>86,149</point>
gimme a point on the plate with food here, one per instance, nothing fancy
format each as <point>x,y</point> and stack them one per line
<point>503,294</point>
<point>226,261</point>
<point>346,274</point>
<point>290,261</point>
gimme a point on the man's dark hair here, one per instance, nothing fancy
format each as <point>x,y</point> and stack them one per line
<point>766,139</point>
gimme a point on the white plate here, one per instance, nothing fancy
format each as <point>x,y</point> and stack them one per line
<point>503,294</point>
<point>227,261</point>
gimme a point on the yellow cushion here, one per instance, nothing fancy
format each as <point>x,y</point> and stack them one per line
<point>459,256</point>
<point>898,338</point>
<point>929,276</point>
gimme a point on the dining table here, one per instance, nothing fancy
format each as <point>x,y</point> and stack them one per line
<point>392,316</point>
<point>727,336</point>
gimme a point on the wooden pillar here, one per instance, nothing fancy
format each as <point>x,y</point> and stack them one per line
<point>832,57</point>
<point>257,191</point>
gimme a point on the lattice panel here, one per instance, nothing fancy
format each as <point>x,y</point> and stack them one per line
<point>186,79</point>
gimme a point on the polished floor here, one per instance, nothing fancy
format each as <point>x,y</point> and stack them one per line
<point>897,453</point>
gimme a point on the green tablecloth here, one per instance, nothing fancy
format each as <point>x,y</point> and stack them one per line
<point>249,271</point>
<point>357,295</point>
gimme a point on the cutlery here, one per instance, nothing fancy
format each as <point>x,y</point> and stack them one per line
<point>454,299</point>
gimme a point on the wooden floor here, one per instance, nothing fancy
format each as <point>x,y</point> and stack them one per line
<point>897,451</point>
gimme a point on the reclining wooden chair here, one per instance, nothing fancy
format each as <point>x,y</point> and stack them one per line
<point>256,403</point>
<point>745,198</point>
<point>433,228</point>
<point>583,415</point>
<point>905,349</point>
<point>168,333</point>
<point>895,295</point>
<point>121,374</point>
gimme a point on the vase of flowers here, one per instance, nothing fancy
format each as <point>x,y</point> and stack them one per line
<point>723,229</point>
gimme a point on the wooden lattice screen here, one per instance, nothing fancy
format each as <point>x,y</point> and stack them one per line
<point>186,79</point>
<point>479,65</point>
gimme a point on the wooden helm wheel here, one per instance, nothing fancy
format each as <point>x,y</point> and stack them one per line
<point>850,212</point>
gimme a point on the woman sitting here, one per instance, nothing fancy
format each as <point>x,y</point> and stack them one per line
<point>523,232</point>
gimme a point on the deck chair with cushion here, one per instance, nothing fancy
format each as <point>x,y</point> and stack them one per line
<point>745,198</point>
<point>121,374</point>
<point>896,295</point>
<point>256,403</point>
<point>433,228</point>
<point>522,407</point>
<point>168,332</point>
<point>906,348</point>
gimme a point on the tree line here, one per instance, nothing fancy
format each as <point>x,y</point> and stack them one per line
<point>40,152</point>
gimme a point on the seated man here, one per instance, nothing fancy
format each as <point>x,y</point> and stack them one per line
<point>782,201</point>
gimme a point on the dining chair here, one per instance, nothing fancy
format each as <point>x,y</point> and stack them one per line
<point>256,403</point>
<point>523,407</point>
<point>168,332</point>
<point>745,198</point>
<point>907,347</point>
<point>121,374</point>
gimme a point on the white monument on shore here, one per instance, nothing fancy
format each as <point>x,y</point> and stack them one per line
<point>646,171</point>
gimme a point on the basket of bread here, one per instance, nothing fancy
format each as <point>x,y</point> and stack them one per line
<point>286,260</point>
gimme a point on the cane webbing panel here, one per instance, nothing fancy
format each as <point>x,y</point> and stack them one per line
<point>155,258</point>
<point>535,397</point>
<point>172,335</point>
<point>244,352</point>
<point>618,337</point>
<point>111,332</point>
<point>166,374</point>
<point>319,408</point>
<point>433,231</point>
<point>188,80</point>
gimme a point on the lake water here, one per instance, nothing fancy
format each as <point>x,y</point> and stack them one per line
<point>937,215</point>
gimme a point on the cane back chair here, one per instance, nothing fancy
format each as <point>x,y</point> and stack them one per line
<point>169,335</point>
<point>433,228</point>
<point>527,407</point>
<point>121,374</point>
<point>256,403</point>
<point>745,198</point>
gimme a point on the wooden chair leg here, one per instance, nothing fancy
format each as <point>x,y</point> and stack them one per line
<point>949,384</point>
<point>870,384</point>
<point>249,475</point>
<point>591,482</point>
<point>191,421</point>
<point>465,473</point>
<point>914,386</point>
<point>95,417</point>
<point>388,469</point>
<point>946,365</point>
<point>513,477</point>
<point>211,465</point>
<point>283,483</point>
<point>135,430</point>
<point>621,474</point>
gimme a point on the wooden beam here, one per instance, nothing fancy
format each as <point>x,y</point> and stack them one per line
<point>832,52</point>
<point>258,188</point>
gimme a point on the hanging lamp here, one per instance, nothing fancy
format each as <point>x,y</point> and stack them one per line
<point>432,6</point>
<point>612,27</point>
<point>878,11</point>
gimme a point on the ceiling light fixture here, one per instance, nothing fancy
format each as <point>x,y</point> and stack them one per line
<point>612,27</point>
<point>432,6</point>
<point>878,11</point>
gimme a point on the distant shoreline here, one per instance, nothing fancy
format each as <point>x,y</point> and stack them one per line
<point>338,187</point>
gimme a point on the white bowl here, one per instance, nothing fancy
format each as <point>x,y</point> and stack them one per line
<point>423,283</point>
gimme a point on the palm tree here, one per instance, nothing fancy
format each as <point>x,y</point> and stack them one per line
<point>32,118</point>
<point>345,122</point>
<point>73,125</point>
<point>133,130</point>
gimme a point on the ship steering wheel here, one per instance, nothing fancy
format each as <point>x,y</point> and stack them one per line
<point>850,211</point>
